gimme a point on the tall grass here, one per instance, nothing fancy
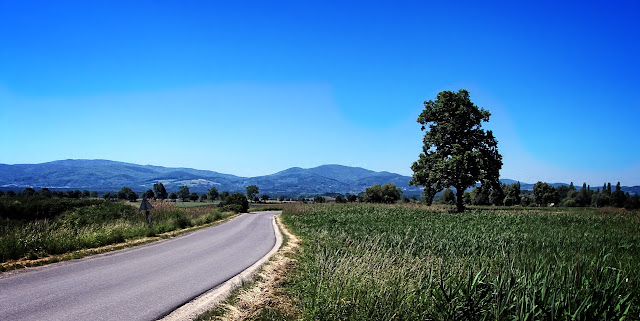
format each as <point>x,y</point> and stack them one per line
<point>365,262</point>
<point>91,225</point>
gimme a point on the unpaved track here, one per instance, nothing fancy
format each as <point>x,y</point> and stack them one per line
<point>143,283</point>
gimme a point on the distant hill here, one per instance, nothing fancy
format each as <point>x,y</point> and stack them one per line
<point>105,175</point>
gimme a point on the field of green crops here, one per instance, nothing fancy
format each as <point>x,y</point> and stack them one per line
<point>374,262</point>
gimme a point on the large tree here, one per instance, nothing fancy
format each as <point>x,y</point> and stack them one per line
<point>457,151</point>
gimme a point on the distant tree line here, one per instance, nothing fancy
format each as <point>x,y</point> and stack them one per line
<point>544,194</point>
<point>47,193</point>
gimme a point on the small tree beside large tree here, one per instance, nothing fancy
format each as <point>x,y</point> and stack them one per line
<point>457,151</point>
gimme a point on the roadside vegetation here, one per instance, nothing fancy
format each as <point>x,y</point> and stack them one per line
<point>33,227</point>
<point>411,262</point>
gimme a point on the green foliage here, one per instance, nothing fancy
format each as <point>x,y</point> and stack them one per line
<point>368,262</point>
<point>28,192</point>
<point>480,195</point>
<point>224,195</point>
<point>74,194</point>
<point>33,208</point>
<point>563,191</point>
<point>33,227</point>
<point>68,230</point>
<point>457,151</point>
<point>496,196</point>
<point>124,193</point>
<point>448,197</point>
<point>466,198</point>
<point>632,203</point>
<point>183,193</point>
<point>236,202</point>
<point>252,191</point>
<point>132,197</point>
<point>527,199</point>
<point>173,196</point>
<point>388,193</point>
<point>319,199</point>
<point>618,198</point>
<point>148,194</point>
<point>193,196</point>
<point>512,194</point>
<point>159,191</point>
<point>213,194</point>
<point>545,194</point>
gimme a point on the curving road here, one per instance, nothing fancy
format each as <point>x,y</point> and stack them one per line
<point>143,283</point>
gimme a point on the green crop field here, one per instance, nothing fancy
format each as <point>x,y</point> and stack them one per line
<point>374,262</point>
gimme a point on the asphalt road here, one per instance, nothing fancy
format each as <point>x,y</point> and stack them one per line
<point>143,283</point>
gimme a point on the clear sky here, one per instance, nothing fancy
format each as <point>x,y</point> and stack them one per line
<point>252,88</point>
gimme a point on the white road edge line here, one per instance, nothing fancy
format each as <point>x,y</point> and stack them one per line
<point>211,298</point>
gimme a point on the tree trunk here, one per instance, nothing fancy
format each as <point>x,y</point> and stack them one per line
<point>459,199</point>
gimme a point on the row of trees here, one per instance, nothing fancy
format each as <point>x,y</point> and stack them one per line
<point>544,194</point>
<point>126,193</point>
<point>47,193</point>
<point>569,196</point>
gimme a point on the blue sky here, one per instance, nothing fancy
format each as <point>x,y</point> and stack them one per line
<point>252,88</point>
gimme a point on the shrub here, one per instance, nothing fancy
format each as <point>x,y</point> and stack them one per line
<point>236,202</point>
<point>232,208</point>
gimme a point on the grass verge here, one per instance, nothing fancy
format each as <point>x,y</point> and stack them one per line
<point>98,228</point>
<point>263,298</point>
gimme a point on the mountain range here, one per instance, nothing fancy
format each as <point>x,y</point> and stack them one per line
<point>109,176</point>
<point>105,175</point>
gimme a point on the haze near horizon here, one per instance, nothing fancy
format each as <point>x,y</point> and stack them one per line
<point>250,88</point>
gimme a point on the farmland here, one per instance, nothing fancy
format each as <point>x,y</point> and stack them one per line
<point>366,262</point>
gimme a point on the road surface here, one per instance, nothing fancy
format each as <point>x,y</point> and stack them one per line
<point>143,283</point>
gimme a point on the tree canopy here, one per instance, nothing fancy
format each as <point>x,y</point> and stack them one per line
<point>148,194</point>
<point>388,193</point>
<point>213,193</point>
<point>236,202</point>
<point>159,191</point>
<point>457,151</point>
<point>252,191</point>
<point>184,193</point>
<point>545,194</point>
